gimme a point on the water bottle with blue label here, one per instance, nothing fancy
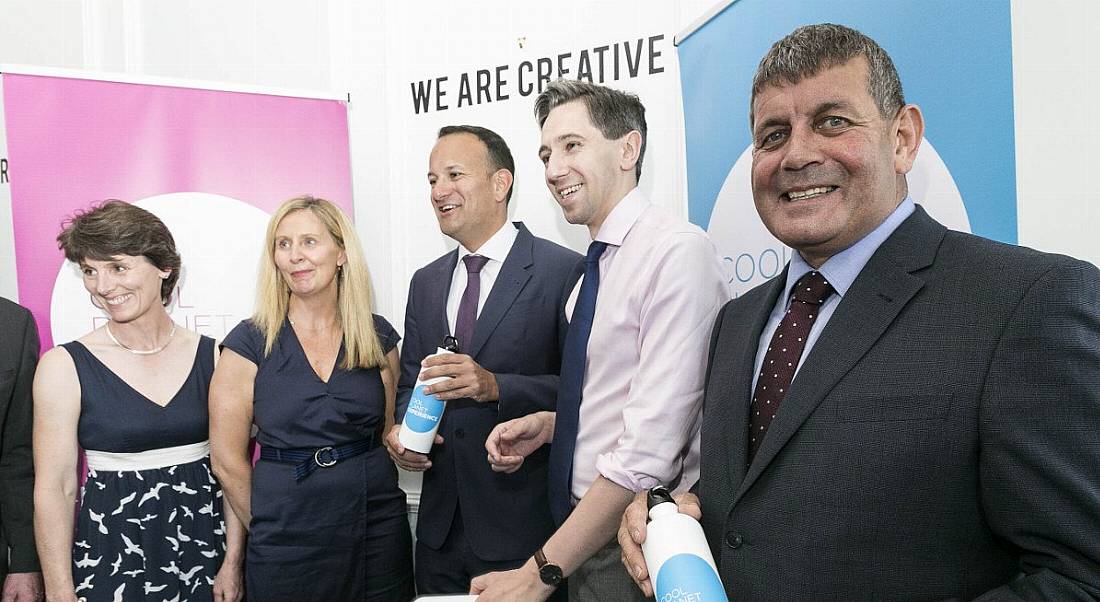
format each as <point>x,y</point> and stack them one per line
<point>425,412</point>
<point>677,555</point>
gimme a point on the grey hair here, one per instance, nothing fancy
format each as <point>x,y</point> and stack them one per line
<point>810,49</point>
<point>614,112</point>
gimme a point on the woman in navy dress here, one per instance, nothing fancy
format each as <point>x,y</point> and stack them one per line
<point>315,371</point>
<point>133,394</point>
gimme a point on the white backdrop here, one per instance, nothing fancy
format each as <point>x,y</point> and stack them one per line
<point>518,39</point>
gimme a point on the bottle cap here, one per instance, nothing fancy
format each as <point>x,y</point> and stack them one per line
<point>659,502</point>
<point>659,495</point>
<point>450,344</point>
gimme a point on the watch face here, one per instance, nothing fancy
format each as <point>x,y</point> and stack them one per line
<point>550,574</point>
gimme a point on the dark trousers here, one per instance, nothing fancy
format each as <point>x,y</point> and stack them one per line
<point>449,569</point>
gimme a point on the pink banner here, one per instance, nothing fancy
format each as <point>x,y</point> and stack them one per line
<point>211,164</point>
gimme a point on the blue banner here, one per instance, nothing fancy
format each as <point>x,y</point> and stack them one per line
<point>955,62</point>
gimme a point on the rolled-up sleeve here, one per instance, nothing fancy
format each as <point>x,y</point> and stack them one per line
<point>652,386</point>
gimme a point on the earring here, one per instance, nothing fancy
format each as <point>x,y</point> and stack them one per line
<point>165,275</point>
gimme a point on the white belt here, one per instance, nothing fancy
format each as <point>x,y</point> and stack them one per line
<point>146,460</point>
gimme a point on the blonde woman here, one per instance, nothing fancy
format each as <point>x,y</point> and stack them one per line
<point>133,394</point>
<point>315,371</point>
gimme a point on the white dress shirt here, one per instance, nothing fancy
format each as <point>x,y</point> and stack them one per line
<point>661,286</point>
<point>496,249</point>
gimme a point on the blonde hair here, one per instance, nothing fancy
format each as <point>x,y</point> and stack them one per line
<point>354,300</point>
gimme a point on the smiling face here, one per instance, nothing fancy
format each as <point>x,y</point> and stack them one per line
<point>586,173</point>
<point>827,167</point>
<point>306,255</point>
<point>126,286</point>
<point>469,198</point>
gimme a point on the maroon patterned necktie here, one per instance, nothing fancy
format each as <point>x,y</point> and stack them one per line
<point>467,306</point>
<point>784,351</point>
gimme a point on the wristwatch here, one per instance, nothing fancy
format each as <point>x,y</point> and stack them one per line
<point>549,572</point>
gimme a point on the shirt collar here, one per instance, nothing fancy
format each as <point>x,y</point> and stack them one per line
<point>842,269</point>
<point>622,218</point>
<point>497,247</point>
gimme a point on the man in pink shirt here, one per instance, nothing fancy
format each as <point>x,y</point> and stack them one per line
<point>632,372</point>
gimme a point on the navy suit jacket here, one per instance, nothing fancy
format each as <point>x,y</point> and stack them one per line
<point>518,337</point>
<point>940,441</point>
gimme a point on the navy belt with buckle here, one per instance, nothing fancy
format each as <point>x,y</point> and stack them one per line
<point>308,460</point>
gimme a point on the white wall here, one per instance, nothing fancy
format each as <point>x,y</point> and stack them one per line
<point>42,32</point>
<point>1056,69</point>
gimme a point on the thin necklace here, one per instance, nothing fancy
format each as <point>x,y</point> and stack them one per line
<point>327,326</point>
<point>141,351</point>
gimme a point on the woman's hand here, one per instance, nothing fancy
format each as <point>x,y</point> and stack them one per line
<point>229,583</point>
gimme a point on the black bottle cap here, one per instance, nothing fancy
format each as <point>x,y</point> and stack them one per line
<point>658,495</point>
<point>450,344</point>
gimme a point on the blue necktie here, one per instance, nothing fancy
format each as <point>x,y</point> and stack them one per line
<point>570,386</point>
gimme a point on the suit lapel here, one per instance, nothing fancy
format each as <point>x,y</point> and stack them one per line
<point>436,304</point>
<point>513,276</point>
<point>732,390</point>
<point>879,293</point>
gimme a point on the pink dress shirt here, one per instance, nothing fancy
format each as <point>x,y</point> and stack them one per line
<point>661,286</point>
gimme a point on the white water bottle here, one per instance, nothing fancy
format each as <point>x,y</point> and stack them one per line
<point>425,411</point>
<point>677,555</point>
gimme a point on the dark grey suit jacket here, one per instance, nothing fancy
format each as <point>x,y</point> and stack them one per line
<point>18,358</point>
<point>518,337</point>
<point>941,440</point>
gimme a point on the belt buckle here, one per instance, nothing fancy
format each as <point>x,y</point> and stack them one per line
<point>324,464</point>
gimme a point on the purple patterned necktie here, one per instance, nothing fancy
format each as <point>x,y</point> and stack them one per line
<point>784,352</point>
<point>467,307</point>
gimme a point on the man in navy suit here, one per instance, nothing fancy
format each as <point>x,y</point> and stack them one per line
<point>939,437</point>
<point>511,287</point>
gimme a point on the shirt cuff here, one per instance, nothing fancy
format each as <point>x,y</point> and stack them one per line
<point>612,469</point>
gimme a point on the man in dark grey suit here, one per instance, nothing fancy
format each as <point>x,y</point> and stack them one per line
<point>939,437</point>
<point>19,568</point>
<point>511,287</point>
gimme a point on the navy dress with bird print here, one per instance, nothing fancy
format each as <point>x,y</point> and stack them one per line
<point>154,534</point>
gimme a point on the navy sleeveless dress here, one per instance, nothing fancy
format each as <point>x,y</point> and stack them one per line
<point>154,534</point>
<point>341,533</point>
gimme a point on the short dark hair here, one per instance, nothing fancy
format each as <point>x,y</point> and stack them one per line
<point>810,49</point>
<point>614,112</point>
<point>112,228</point>
<point>500,157</point>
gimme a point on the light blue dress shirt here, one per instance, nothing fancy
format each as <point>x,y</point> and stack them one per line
<point>840,270</point>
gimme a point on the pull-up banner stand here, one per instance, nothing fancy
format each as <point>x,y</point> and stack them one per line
<point>955,62</point>
<point>212,164</point>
